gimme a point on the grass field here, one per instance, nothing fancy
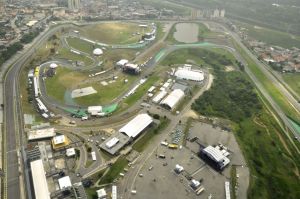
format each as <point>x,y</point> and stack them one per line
<point>114,170</point>
<point>113,32</point>
<point>272,37</point>
<point>80,45</point>
<point>141,90</point>
<point>106,94</point>
<point>64,79</point>
<point>64,53</point>
<point>293,80</point>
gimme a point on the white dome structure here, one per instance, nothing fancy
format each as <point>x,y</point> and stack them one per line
<point>53,65</point>
<point>98,52</point>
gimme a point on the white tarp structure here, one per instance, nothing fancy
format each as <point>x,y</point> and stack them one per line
<point>136,125</point>
<point>159,96</point>
<point>98,52</point>
<point>40,185</point>
<point>94,110</point>
<point>112,142</point>
<point>41,134</point>
<point>122,62</point>
<point>114,192</point>
<point>53,65</point>
<point>173,98</point>
<point>64,182</point>
<point>189,74</point>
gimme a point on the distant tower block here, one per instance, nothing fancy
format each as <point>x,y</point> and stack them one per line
<point>74,5</point>
<point>222,13</point>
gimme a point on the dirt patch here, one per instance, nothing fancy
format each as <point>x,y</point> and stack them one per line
<point>229,68</point>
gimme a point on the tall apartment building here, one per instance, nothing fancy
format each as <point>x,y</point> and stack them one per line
<point>73,4</point>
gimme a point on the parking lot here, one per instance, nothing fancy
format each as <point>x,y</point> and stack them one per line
<point>157,178</point>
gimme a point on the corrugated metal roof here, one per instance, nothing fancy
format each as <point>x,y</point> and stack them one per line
<point>214,153</point>
<point>136,125</point>
<point>187,73</point>
<point>173,98</point>
<point>40,185</point>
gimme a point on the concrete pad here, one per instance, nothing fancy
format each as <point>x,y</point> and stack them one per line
<point>83,92</point>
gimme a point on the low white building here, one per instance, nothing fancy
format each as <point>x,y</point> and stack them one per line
<point>173,98</point>
<point>94,110</point>
<point>122,62</point>
<point>60,139</point>
<point>70,152</point>
<point>64,182</point>
<point>101,193</point>
<point>187,73</point>
<point>136,125</point>
<point>41,134</point>
<point>216,157</point>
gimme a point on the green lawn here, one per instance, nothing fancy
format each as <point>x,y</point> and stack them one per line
<point>114,170</point>
<point>64,53</point>
<point>293,80</point>
<point>141,90</point>
<point>272,37</point>
<point>113,32</point>
<point>64,79</point>
<point>106,94</point>
<point>80,45</point>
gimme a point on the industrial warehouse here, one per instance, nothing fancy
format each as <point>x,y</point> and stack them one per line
<point>127,133</point>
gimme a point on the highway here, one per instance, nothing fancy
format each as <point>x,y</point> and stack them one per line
<point>13,123</point>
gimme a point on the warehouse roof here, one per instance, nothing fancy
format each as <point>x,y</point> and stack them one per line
<point>189,74</point>
<point>136,125</point>
<point>41,133</point>
<point>173,98</point>
<point>39,180</point>
<point>214,153</point>
<point>64,182</point>
<point>159,96</point>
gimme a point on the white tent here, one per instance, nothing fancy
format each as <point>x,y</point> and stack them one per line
<point>98,52</point>
<point>173,98</point>
<point>189,74</point>
<point>53,65</point>
<point>136,125</point>
<point>94,110</point>
<point>122,62</point>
